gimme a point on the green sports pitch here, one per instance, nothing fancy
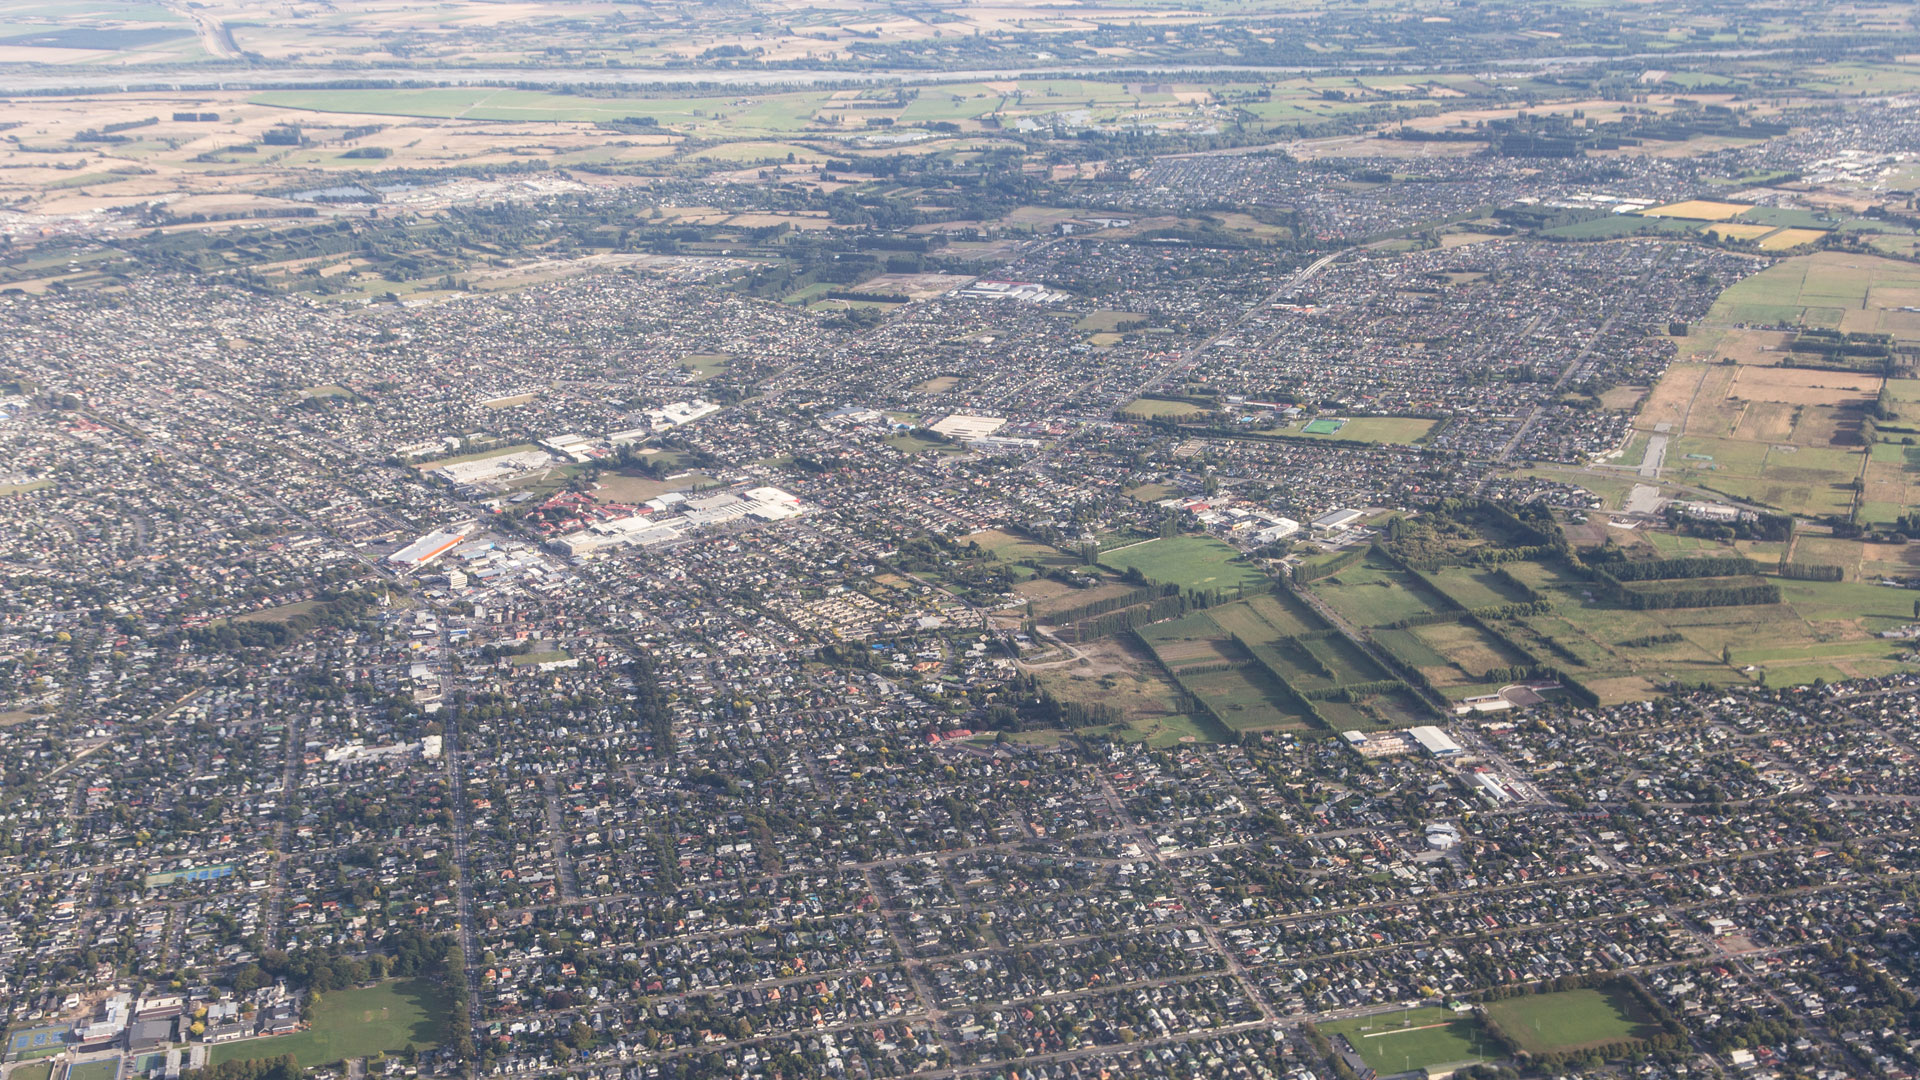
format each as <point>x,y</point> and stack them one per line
<point>383,1018</point>
<point>1191,562</point>
<point>1409,1039</point>
<point>1572,1019</point>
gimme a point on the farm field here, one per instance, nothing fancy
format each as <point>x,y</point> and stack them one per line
<point>1244,697</point>
<point>386,1017</point>
<point>1830,623</point>
<point>1792,439</point>
<point>1830,289</point>
<point>1474,588</point>
<point>1618,225</point>
<point>1818,630</point>
<point>1049,598</point>
<point>771,114</point>
<point>1476,661</point>
<point>1572,1019</point>
<point>1266,616</point>
<point>1405,1041</point>
<point>1208,665</point>
<point>1699,210</point>
<point>1191,562</point>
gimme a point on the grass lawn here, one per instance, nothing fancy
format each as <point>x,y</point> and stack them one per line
<point>1011,548</point>
<point>1372,594</point>
<point>638,488</point>
<point>1853,292</point>
<point>1403,1041</point>
<point>1191,562</point>
<point>704,366</point>
<point>533,658</point>
<point>1147,493</point>
<point>1617,225</point>
<point>1572,1019</point>
<point>1105,320</point>
<point>908,443</point>
<point>1391,430</point>
<point>1160,407</point>
<point>1245,698</point>
<point>355,1023</point>
<point>1265,617</point>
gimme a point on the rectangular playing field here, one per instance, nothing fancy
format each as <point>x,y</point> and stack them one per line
<point>1572,1019</point>
<point>1191,562</point>
<point>1396,430</point>
<point>387,1017</point>
<point>1400,1042</point>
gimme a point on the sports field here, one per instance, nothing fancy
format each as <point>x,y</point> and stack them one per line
<point>1011,548</point>
<point>1399,1042</point>
<point>1161,408</point>
<point>1572,1019</point>
<point>95,1070</point>
<point>1390,430</point>
<point>385,1017</point>
<point>1191,562</point>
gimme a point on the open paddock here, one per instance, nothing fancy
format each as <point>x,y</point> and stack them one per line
<point>1475,588</point>
<point>638,488</point>
<point>1244,698</point>
<point>1469,650</point>
<point>1065,602</point>
<point>1266,616</point>
<point>1012,548</point>
<point>1373,594</point>
<point>1698,210</point>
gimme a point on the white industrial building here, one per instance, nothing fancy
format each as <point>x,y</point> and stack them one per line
<point>636,531</point>
<point>1338,521</point>
<point>1276,529</point>
<point>681,412</point>
<point>1435,742</point>
<point>498,467</point>
<point>427,548</point>
<point>964,426</point>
